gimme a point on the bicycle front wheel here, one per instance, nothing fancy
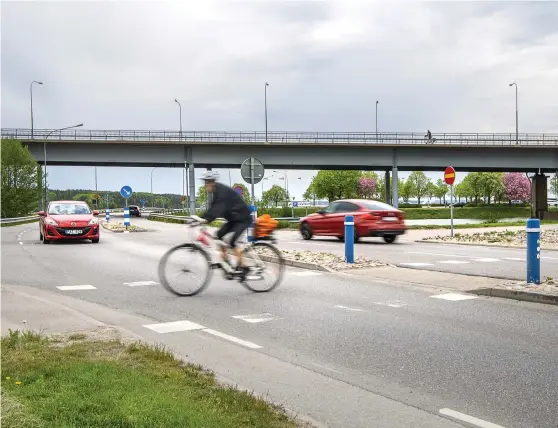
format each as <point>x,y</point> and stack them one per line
<point>185,270</point>
<point>267,267</point>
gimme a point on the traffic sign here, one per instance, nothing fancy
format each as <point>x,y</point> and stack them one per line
<point>449,175</point>
<point>252,176</point>
<point>295,204</point>
<point>96,197</point>
<point>126,192</point>
<point>143,201</point>
<point>239,190</point>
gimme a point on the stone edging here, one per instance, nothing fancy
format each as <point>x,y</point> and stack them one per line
<point>526,296</point>
<point>295,263</point>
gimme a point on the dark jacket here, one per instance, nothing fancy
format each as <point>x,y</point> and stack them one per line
<point>226,203</point>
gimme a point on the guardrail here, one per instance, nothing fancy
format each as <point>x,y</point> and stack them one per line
<point>288,137</point>
<point>18,219</point>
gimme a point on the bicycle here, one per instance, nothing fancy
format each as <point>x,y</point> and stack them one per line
<point>202,245</point>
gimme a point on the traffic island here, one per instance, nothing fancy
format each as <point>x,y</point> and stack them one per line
<point>505,238</point>
<point>545,292</point>
<point>95,379</point>
<point>120,228</point>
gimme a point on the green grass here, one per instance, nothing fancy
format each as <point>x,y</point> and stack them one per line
<point>478,225</point>
<point>90,384</point>
<point>19,223</point>
<point>489,213</point>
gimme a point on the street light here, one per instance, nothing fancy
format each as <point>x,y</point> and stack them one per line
<point>45,155</point>
<point>516,115</point>
<point>266,178</point>
<point>377,119</point>
<point>180,107</point>
<point>152,198</point>
<point>265,106</point>
<point>31,92</point>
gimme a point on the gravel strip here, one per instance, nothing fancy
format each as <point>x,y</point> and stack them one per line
<point>507,238</point>
<point>119,227</point>
<point>548,286</point>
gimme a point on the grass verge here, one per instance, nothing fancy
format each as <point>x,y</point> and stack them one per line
<point>478,225</point>
<point>92,383</point>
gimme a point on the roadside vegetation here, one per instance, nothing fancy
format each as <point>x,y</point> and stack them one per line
<point>80,382</point>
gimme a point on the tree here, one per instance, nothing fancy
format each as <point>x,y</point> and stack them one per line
<point>554,185</point>
<point>202,196</point>
<point>431,190</point>
<point>310,194</point>
<point>474,185</point>
<point>366,187</point>
<point>245,192</point>
<point>405,189</point>
<point>518,187</point>
<point>20,181</point>
<point>419,183</point>
<point>274,195</point>
<point>441,190</point>
<point>492,185</point>
<point>336,184</point>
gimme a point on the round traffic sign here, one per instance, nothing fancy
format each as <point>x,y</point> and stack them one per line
<point>252,171</point>
<point>449,175</point>
<point>126,192</point>
<point>239,190</point>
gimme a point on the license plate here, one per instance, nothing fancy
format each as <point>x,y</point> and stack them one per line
<point>389,218</point>
<point>74,232</point>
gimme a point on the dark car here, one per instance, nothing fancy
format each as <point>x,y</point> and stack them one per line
<point>372,218</point>
<point>134,211</point>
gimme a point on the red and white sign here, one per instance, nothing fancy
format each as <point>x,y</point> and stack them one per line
<point>449,175</point>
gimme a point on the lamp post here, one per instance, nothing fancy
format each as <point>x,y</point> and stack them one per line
<point>516,115</point>
<point>45,156</point>
<point>152,197</point>
<point>265,108</point>
<point>31,93</point>
<point>377,119</point>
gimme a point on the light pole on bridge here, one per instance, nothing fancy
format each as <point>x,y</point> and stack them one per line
<point>516,115</point>
<point>265,108</point>
<point>377,102</point>
<point>31,93</point>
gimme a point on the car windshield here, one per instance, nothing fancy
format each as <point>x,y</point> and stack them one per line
<point>376,206</point>
<point>68,209</point>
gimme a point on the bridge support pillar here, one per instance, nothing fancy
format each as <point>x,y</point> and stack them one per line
<point>539,196</point>
<point>191,181</point>
<point>388,187</point>
<point>394,181</point>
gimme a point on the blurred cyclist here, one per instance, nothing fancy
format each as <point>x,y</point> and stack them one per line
<point>228,204</point>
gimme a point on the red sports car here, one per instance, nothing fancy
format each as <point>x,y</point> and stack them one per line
<point>68,220</point>
<point>372,218</point>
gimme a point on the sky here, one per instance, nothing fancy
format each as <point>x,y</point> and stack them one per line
<point>443,66</point>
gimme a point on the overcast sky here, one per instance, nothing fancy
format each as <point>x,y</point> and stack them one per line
<point>443,66</point>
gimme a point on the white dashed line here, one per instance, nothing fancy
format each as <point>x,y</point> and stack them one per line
<point>140,283</point>
<point>469,419</point>
<point>453,262</point>
<point>173,327</point>
<point>514,259</point>
<point>348,309</point>
<point>455,297</point>
<point>306,273</point>
<point>326,368</point>
<point>232,339</point>
<point>254,319</point>
<point>486,260</point>
<point>416,264</point>
<point>76,287</point>
<point>391,305</point>
<point>20,243</point>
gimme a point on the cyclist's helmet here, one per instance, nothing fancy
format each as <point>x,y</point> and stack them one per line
<point>210,176</point>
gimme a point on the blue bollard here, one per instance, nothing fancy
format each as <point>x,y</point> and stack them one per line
<point>107,215</point>
<point>349,239</point>
<point>533,251</point>
<point>252,228</point>
<point>126,217</point>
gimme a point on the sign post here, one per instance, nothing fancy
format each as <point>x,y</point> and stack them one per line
<point>533,231</point>
<point>449,178</point>
<point>349,239</point>
<point>126,192</point>
<point>252,171</point>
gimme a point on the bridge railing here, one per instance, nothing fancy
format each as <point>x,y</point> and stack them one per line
<point>257,137</point>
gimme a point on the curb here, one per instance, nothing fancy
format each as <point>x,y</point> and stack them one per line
<point>297,264</point>
<point>481,245</point>
<point>123,231</point>
<point>525,296</point>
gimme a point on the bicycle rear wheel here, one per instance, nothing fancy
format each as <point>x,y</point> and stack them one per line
<point>267,266</point>
<point>181,260</point>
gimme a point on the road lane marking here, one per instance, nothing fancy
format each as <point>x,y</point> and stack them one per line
<point>486,260</point>
<point>140,283</point>
<point>455,297</point>
<point>348,309</point>
<point>326,368</point>
<point>175,326</point>
<point>313,244</point>
<point>232,338</point>
<point>440,254</point>
<point>469,419</point>
<point>257,318</point>
<point>453,262</point>
<point>306,273</point>
<point>76,287</point>
<point>514,259</point>
<point>390,304</point>
<point>416,264</point>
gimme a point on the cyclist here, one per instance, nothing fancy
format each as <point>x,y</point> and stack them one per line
<point>226,203</point>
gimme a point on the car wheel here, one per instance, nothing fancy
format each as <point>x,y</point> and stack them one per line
<point>305,231</point>
<point>41,237</point>
<point>356,238</point>
<point>95,241</point>
<point>390,239</point>
<point>45,241</point>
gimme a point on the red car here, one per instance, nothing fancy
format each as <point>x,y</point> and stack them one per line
<point>68,220</point>
<point>372,218</point>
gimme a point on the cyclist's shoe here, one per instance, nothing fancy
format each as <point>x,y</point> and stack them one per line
<point>242,271</point>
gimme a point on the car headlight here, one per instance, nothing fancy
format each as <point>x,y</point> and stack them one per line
<point>93,221</point>
<point>50,222</point>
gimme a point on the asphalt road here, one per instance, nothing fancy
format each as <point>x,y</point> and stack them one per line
<point>493,359</point>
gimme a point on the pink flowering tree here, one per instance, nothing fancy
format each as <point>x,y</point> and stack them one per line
<point>518,187</point>
<point>366,187</point>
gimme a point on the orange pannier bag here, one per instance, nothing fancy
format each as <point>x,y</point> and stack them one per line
<point>265,225</point>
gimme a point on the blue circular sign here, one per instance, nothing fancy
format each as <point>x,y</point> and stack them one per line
<point>239,190</point>
<point>126,192</point>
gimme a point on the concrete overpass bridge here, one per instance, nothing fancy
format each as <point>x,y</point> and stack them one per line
<point>537,153</point>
